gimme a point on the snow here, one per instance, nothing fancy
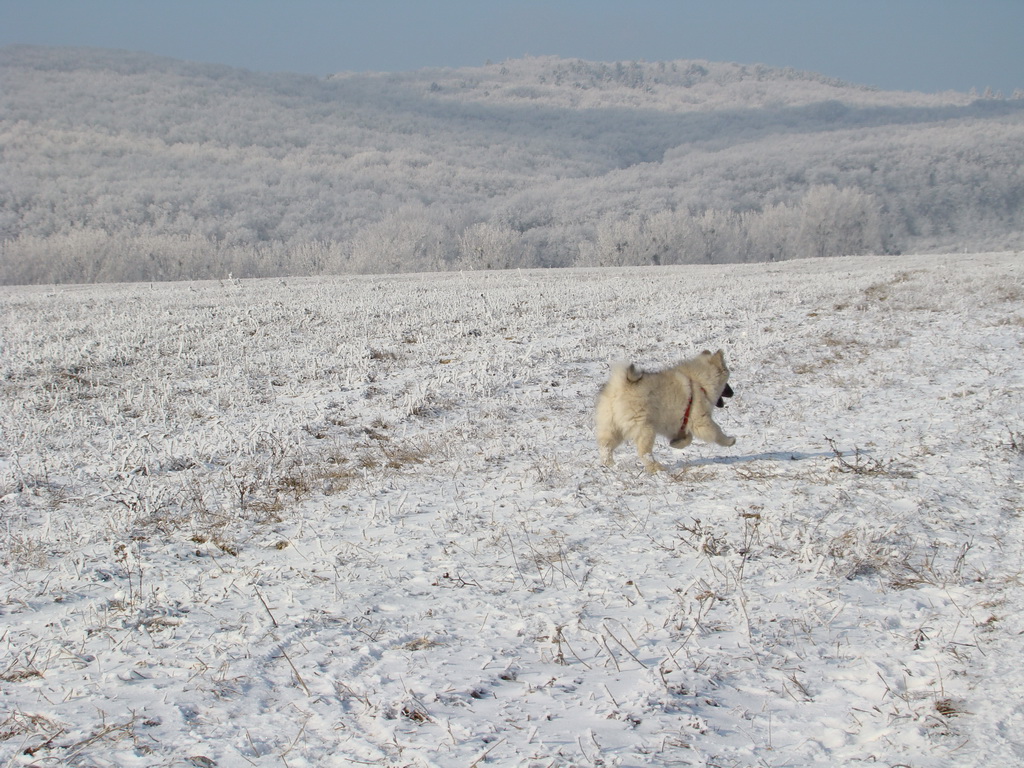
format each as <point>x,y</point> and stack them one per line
<point>361,521</point>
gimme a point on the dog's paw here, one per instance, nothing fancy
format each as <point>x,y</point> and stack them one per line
<point>729,441</point>
<point>651,465</point>
<point>681,443</point>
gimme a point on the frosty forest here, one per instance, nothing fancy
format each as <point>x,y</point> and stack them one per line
<point>120,166</point>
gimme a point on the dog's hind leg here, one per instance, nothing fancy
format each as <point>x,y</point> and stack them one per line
<point>645,450</point>
<point>608,440</point>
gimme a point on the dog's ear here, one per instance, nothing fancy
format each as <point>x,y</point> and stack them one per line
<point>720,356</point>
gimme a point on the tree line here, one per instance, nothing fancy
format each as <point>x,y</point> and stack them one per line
<point>120,166</point>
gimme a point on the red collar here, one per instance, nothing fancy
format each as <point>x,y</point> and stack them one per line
<point>686,416</point>
<point>689,406</point>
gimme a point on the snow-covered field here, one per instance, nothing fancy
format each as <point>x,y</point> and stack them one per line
<point>361,521</point>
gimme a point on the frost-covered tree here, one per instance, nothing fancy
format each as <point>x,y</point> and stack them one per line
<point>488,245</point>
<point>838,222</point>
<point>622,242</point>
<point>408,240</point>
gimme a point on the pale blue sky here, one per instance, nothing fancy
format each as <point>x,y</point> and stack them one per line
<point>928,45</point>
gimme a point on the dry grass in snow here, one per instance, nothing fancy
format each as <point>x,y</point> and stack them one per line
<point>361,521</point>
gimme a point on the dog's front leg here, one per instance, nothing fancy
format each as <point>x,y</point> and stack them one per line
<point>720,438</point>
<point>708,431</point>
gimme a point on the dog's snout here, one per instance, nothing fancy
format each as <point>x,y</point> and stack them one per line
<point>727,392</point>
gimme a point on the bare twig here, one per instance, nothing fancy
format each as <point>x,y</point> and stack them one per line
<point>265,606</point>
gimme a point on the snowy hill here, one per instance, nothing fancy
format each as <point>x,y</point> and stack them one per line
<point>361,520</point>
<point>122,166</point>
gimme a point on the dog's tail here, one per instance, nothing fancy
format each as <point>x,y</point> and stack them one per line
<point>626,372</point>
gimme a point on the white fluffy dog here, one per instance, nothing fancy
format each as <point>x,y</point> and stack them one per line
<point>678,403</point>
